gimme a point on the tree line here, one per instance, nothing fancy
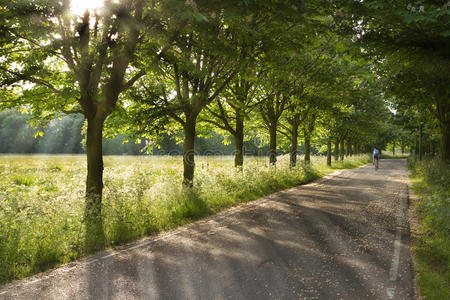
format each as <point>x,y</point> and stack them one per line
<point>66,135</point>
<point>275,70</point>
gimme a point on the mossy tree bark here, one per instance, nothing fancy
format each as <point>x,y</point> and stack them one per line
<point>95,236</point>
<point>307,147</point>
<point>443,111</point>
<point>342,149</point>
<point>336,149</point>
<point>294,145</point>
<point>291,132</point>
<point>273,145</point>
<point>420,141</point>
<point>239,140</point>
<point>189,150</point>
<point>307,134</point>
<point>329,151</point>
<point>349,149</point>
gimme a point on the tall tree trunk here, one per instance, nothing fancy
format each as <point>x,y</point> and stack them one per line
<point>445,142</point>
<point>420,141</point>
<point>342,149</point>
<point>308,133</point>
<point>95,237</point>
<point>273,145</point>
<point>416,148</point>
<point>349,149</point>
<point>393,148</point>
<point>189,151</point>
<point>239,141</point>
<point>336,150</point>
<point>307,148</point>
<point>444,126</point>
<point>329,151</point>
<point>294,145</point>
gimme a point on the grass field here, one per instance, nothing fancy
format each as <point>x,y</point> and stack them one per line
<point>42,200</point>
<point>388,155</point>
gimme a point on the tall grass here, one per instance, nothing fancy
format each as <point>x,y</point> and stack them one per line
<point>42,200</point>
<point>431,181</point>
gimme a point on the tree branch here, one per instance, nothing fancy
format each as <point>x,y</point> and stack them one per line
<point>38,81</point>
<point>70,112</point>
<point>133,80</point>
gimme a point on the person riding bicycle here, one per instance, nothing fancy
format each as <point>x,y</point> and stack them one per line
<point>376,155</point>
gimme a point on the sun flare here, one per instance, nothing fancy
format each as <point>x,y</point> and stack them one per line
<point>78,7</point>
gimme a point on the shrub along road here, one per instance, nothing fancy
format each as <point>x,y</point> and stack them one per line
<point>345,236</point>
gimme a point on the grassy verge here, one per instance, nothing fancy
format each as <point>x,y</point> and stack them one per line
<point>431,248</point>
<point>42,202</point>
<point>390,156</point>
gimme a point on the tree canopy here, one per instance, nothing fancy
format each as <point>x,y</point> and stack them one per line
<point>358,74</point>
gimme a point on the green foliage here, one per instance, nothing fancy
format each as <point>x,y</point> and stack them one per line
<point>409,42</point>
<point>42,221</point>
<point>432,183</point>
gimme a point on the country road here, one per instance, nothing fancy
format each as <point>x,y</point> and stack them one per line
<point>345,236</point>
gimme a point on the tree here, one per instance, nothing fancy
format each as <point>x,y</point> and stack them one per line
<point>53,62</point>
<point>230,111</point>
<point>274,101</point>
<point>192,75</point>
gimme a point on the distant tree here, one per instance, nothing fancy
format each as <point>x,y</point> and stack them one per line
<point>16,136</point>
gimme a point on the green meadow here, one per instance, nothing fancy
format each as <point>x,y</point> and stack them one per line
<point>42,200</point>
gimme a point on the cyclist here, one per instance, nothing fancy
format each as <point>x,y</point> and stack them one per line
<point>376,156</point>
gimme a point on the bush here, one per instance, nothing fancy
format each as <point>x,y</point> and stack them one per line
<point>432,252</point>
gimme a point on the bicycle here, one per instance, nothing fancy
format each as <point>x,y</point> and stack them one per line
<point>376,162</point>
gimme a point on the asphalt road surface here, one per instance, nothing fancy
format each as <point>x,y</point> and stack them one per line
<point>343,237</point>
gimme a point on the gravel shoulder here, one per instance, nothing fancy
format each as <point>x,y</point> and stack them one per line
<point>345,236</point>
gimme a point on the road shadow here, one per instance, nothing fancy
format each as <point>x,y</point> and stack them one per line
<point>282,249</point>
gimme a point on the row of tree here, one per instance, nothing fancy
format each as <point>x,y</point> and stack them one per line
<point>409,42</point>
<point>66,135</point>
<point>245,68</point>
